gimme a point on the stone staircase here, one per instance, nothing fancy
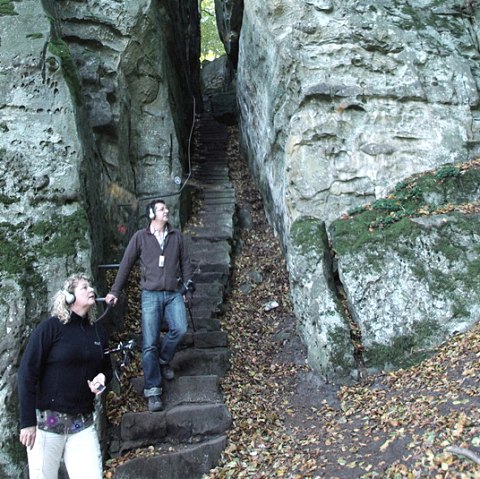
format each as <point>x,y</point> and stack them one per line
<point>186,439</point>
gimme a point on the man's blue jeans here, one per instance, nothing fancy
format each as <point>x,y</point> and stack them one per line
<point>157,307</point>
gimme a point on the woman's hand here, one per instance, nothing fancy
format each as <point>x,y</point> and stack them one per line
<point>97,384</point>
<point>27,436</point>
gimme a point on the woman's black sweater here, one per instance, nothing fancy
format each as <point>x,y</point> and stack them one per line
<point>58,361</point>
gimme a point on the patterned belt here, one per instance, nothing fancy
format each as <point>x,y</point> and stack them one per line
<point>63,423</point>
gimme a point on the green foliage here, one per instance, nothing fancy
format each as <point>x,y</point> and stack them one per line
<point>12,257</point>
<point>341,347</point>
<point>386,204</point>
<point>8,200</point>
<point>212,46</point>
<point>61,235</point>
<point>405,351</point>
<point>16,451</point>
<point>7,8</point>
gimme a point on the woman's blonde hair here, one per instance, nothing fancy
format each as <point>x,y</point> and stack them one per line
<point>60,304</point>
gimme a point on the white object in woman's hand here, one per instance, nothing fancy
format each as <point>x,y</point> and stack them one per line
<point>97,384</point>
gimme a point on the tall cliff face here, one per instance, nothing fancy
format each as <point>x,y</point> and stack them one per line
<point>96,107</point>
<point>339,102</point>
<point>358,97</point>
<point>139,65</point>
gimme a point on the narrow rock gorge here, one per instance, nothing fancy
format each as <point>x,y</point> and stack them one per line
<point>360,122</point>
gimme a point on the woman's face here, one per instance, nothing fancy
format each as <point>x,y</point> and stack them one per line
<point>84,294</point>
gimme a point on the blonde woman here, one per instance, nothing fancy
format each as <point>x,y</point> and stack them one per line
<point>62,370</point>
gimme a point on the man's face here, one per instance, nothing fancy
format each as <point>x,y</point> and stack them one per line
<point>161,212</point>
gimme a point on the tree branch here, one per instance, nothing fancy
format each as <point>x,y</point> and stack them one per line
<point>461,451</point>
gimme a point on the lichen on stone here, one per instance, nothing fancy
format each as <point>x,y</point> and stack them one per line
<point>59,48</point>
<point>7,8</point>
<point>22,245</point>
<point>307,234</point>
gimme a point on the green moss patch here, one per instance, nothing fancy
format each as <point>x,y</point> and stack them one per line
<point>34,36</point>
<point>308,234</point>
<point>59,48</point>
<point>24,245</point>
<point>7,8</point>
<point>406,350</point>
<point>448,189</point>
<point>341,348</point>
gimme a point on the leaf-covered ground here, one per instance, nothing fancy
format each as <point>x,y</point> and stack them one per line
<point>287,423</point>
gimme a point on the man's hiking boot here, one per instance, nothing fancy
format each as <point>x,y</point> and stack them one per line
<point>154,403</point>
<point>167,372</point>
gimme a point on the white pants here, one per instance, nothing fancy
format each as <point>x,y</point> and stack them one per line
<point>81,453</point>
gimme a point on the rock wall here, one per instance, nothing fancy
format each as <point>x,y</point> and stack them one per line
<point>410,265</point>
<point>96,107</point>
<point>139,65</point>
<point>339,102</point>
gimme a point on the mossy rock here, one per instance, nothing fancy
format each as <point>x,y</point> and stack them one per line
<point>421,195</point>
<point>405,350</point>
<point>60,49</point>
<point>308,234</point>
<point>7,8</point>
<point>24,245</point>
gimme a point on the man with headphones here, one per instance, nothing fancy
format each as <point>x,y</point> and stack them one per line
<point>165,268</point>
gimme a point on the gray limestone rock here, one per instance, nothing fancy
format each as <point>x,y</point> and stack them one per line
<point>97,102</point>
<point>338,103</point>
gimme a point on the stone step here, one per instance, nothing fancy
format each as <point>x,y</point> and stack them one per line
<point>184,423</point>
<point>222,233</point>
<point>205,250</point>
<point>183,462</point>
<point>209,289</point>
<point>214,222</point>
<point>197,362</point>
<point>207,303</point>
<point>203,266</point>
<point>213,277</point>
<point>186,439</point>
<point>224,211</point>
<point>186,389</point>
<point>210,339</point>
<point>208,182</point>
<point>218,193</point>
<point>212,166</point>
<point>204,339</point>
<point>214,206</point>
<point>193,411</point>
<point>219,209</point>
<point>204,320</point>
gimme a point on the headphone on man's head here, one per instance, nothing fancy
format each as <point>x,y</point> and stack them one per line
<point>151,210</point>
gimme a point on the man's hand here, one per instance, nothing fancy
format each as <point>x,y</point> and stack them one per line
<point>187,297</point>
<point>27,436</point>
<point>111,299</point>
